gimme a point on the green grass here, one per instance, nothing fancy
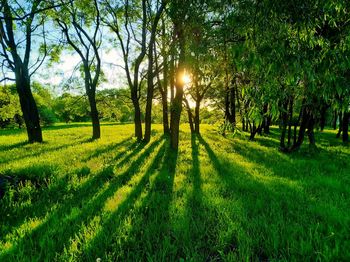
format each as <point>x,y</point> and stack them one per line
<point>217,199</point>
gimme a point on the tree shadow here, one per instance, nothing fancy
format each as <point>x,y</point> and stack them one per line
<point>12,146</point>
<point>41,150</point>
<point>41,176</point>
<point>272,208</point>
<point>151,236</point>
<point>68,217</point>
<point>112,227</point>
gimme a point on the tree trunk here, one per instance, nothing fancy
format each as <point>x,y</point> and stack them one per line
<point>196,117</point>
<point>284,120</point>
<point>232,105</point>
<point>227,104</point>
<point>290,113</point>
<point>190,116</point>
<point>96,130</point>
<point>302,129</point>
<point>323,116</point>
<point>150,89</point>
<point>311,134</point>
<point>29,108</point>
<point>137,118</point>
<point>346,127</point>
<point>267,120</point>
<point>176,109</point>
<point>172,76</point>
<point>150,75</point>
<point>166,130</point>
<point>335,117</point>
<point>340,124</point>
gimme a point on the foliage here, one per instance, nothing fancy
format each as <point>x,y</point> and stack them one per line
<point>10,109</point>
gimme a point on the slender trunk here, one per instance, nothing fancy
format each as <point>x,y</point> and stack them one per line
<point>323,117</point>
<point>232,105</point>
<point>166,130</point>
<point>176,106</point>
<point>137,118</point>
<point>196,116</point>
<point>302,129</point>
<point>335,117</point>
<point>267,120</point>
<point>291,102</point>
<point>29,108</point>
<point>284,119</point>
<point>165,96</point>
<point>253,131</point>
<point>346,127</point>
<point>340,124</point>
<point>96,130</point>
<point>150,74</point>
<point>172,76</point>
<point>227,103</point>
<point>310,132</point>
<point>176,109</point>
<point>150,89</point>
<point>190,116</point>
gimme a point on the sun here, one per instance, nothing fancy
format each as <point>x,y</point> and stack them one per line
<point>186,78</point>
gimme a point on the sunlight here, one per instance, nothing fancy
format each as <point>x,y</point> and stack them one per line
<point>186,78</point>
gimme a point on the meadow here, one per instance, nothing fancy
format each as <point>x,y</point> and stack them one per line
<point>216,199</point>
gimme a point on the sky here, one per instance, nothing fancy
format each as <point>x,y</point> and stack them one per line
<point>58,73</point>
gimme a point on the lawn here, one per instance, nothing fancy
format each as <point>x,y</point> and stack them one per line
<point>217,199</point>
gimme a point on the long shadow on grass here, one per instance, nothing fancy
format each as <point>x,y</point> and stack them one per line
<point>113,225</point>
<point>12,146</point>
<point>42,150</point>
<point>63,222</point>
<point>273,214</point>
<point>150,237</point>
<point>52,192</point>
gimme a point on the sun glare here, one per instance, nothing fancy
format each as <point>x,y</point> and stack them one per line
<point>186,78</point>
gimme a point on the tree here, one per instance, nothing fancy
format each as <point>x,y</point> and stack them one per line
<point>86,42</point>
<point>123,19</point>
<point>150,70</point>
<point>15,19</point>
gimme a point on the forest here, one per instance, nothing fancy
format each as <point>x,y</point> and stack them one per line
<point>174,130</point>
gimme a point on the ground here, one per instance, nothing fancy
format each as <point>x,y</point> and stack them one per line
<point>217,199</point>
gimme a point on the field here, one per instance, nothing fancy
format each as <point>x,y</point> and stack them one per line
<point>217,199</point>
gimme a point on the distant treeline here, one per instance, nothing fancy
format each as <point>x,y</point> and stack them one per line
<point>113,104</point>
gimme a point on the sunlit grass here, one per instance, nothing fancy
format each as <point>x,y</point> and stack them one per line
<point>216,199</point>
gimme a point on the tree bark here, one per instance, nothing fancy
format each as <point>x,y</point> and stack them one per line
<point>346,127</point>
<point>137,118</point>
<point>150,75</point>
<point>190,116</point>
<point>29,108</point>
<point>302,129</point>
<point>340,124</point>
<point>197,117</point>
<point>323,117</point>
<point>96,130</point>
<point>284,120</point>
<point>335,117</point>
<point>232,105</point>
<point>290,113</point>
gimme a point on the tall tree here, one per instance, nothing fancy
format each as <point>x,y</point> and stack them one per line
<point>19,22</point>
<point>80,24</point>
<point>128,20</point>
<point>150,70</point>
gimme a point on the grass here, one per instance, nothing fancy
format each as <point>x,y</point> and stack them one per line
<point>217,199</point>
